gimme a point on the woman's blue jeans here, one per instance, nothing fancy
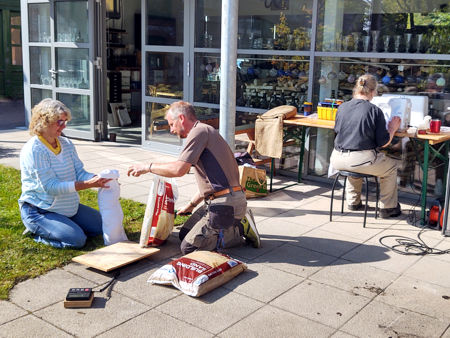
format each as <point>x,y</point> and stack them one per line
<point>61,231</point>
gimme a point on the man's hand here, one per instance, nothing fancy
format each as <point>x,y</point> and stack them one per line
<point>186,210</point>
<point>137,170</point>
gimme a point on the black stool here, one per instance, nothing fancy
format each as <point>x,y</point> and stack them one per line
<point>346,174</point>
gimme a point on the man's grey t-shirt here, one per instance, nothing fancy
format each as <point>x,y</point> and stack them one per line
<point>360,125</point>
<point>214,164</point>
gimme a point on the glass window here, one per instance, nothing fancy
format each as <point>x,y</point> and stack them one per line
<point>282,25</point>
<point>207,23</point>
<point>157,128</point>
<point>15,36</point>
<point>15,19</point>
<point>40,64</point>
<point>164,75</point>
<point>72,21</point>
<point>383,26</point>
<point>79,107</point>
<point>72,67</point>
<point>39,22</point>
<point>265,82</point>
<point>207,78</point>
<point>335,78</point>
<point>37,95</point>
<point>165,22</point>
<point>16,56</point>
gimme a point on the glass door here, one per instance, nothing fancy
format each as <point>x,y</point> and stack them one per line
<point>59,58</point>
<point>165,67</point>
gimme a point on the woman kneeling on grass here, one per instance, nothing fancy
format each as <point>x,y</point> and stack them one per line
<point>51,175</point>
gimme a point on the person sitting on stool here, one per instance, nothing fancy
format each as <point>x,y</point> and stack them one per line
<point>360,131</point>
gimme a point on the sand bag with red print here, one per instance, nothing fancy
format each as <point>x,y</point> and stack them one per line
<point>160,212</point>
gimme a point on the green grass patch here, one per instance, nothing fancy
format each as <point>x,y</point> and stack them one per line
<point>22,258</point>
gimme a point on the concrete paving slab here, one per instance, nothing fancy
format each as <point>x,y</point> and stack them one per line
<point>418,296</point>
<point>380,257</point>
<point>213,312</point>
<point>30,326</point>
<point>383,320</point>
<point>282,229</point>
<point>329,243</point>
<point>87,322</point>
<point>360,279</point>
<point>248,252</point>
<point>93,275</point>
<point>340,334</point>
<point>321,303</point>
<point>306,216</point>
<point>272,322</point>
<point>10,311</point>
<point>295,260</point>
<point>155,324</point>
<point>47,289</point>
<point>135,286</point>
<point>262,283</point>
<point>432,270</point>
<point>353,230</point>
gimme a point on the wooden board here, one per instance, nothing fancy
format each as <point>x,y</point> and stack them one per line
<point>114,256</point>
<point>79,303</point>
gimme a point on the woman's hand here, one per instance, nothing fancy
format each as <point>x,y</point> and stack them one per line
<point>394,124</point>
<point>137,170</point>
<point>94,182</point>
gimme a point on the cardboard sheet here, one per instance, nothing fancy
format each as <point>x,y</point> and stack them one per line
<point>114,256</point>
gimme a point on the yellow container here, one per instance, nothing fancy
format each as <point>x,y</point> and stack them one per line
<point>321,113</point>
<point>334,114</point>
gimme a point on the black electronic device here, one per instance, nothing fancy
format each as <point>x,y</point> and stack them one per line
<point>75,294</point>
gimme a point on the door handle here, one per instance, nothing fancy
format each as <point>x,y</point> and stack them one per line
<point>188,70</point>
<point>53,72</point>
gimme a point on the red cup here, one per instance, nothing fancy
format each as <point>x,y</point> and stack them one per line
<point>435,126</point>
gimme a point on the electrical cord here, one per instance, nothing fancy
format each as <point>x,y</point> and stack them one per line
<point>410,246</point>
<point>110,284</point>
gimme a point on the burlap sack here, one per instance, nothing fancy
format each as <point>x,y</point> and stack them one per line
<point>269,130</point>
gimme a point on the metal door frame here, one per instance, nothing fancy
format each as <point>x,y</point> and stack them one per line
<point>96,68</point>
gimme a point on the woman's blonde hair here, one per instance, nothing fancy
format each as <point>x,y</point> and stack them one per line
<point>365,85</point>
<point>45,113</point>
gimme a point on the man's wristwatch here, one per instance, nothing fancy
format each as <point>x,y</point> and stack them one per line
<point>192,204</point>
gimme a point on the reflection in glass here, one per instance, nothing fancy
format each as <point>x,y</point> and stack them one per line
<point>80,109</point>
<point>15,19</point>
<point>371,25</point>
<point>72,68</point>
<point>72,21</point>
<point>165,24</point>
<point>207,24</point>
<point>264,26</point>
<point>266,82</point>
<point>157,128</point>
<point>207,78</point>
<point>16,56</point>
<point>37,95</point>
<point>39,22</point>
<point>15,36</point>
<point>164,75</point>
<point>40,64</point>
<point>415,77</point>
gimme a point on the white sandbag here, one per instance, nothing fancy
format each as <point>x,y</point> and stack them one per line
<point>160,211</point>
<point>110,209</point>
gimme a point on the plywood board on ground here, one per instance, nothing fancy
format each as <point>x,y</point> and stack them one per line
<point>114,256</point>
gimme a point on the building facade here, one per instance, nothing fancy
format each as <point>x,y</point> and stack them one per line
<point>122,62</point>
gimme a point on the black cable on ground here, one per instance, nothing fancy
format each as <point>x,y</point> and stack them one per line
<point>110,284</point>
